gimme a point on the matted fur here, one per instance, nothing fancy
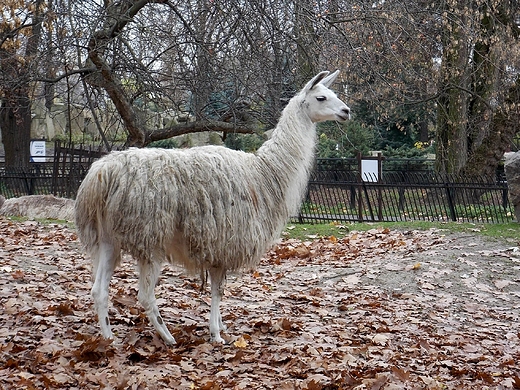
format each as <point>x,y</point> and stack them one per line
<point>207,207</point>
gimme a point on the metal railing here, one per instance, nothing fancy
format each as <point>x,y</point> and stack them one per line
<point>42,179</point>
<point>404,196</point>
<point>61,176</point>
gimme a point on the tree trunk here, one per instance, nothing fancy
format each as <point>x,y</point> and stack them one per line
<point>493,106</point>
<point>15,123</point>
<point>306,40</point>
<point>204,67</point>
<point>453,100</point>
<point>506,123</point>
<point>15,112</point>
<point>485,65</point>
<point>477,108</point>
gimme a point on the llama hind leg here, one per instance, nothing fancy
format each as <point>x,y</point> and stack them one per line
<point>105,261</point>
<point>148,274</point>
<point>217,276</point>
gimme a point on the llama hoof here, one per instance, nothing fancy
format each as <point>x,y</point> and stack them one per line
<point>170,342</point>
<point>217,339</point>
<point>107,335</point>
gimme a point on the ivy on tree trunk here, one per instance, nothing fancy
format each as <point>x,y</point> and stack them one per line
<point>476,107</point>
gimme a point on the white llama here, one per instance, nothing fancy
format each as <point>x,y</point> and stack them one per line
<point>207,208</point>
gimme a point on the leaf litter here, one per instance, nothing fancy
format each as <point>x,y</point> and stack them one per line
<point>382,309</point>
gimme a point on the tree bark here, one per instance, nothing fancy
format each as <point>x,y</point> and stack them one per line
<point>307,42</point>
<point>494,113</point>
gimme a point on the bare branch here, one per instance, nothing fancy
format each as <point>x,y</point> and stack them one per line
<point>67,74</point>
<point>197,127</point>
<point>108,80</point>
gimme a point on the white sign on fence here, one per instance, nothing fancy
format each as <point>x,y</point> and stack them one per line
<point>370,170</point>
<point>38,151</point>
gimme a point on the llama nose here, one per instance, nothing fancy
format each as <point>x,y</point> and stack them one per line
<point>346,110</point>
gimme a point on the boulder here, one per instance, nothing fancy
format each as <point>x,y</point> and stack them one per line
<point>512,170</point>
<point>39,207</point>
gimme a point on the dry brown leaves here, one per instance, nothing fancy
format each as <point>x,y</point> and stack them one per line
<point>374,310</point>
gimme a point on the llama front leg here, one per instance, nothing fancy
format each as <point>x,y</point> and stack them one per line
<point>104,260</point>
<point>217,276</point>
<point>148,274</point>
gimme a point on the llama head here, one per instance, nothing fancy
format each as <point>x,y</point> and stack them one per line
<point>320,103</point>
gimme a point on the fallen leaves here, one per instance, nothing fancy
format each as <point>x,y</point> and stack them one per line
<point>93,349</point>
<point>372,310</point>
<point>241,342</point>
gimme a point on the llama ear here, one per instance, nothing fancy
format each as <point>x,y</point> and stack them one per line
<point>327,81</point>
<point>315,80</point>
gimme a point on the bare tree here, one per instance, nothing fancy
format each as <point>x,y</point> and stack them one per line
<point>411,67</point>
<point>116,18</point>
<point>20,36</point>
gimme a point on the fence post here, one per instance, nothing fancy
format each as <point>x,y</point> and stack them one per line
<point>505,197</point>
<point>27,181</point>
<point>451,206</point>
<point>379,183</point>
<point>360,186</point>
<point>401,192</point>
<point>352,197</point>
<point>56,166</point>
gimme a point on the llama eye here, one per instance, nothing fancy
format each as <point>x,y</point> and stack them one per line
<point>321,98</point>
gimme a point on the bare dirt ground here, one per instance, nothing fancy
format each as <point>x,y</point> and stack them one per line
<point>372,310</point>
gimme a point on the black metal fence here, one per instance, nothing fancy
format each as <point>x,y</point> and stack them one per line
<point>42,178</point>
<point>404,196</point>
<point>339,190</point>
<point>61,176</point>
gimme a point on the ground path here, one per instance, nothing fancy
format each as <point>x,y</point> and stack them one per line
<point>373,310</point>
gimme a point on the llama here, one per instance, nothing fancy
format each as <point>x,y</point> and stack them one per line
<point>210,209</point>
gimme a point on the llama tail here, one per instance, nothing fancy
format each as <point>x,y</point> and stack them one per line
<point>90,215</point>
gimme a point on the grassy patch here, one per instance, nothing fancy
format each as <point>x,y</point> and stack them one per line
<point>509,231</point>
<point>43,221</point>
<point>308,231</point>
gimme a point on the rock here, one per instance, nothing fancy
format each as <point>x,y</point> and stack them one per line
<point>39,206</point>
<point>512,170</point>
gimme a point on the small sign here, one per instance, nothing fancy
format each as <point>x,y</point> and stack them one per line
<point>370,170</point>
<point>38,151</point>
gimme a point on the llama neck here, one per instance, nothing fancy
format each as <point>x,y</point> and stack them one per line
<point>293,140</point>
<point>289,153</point>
